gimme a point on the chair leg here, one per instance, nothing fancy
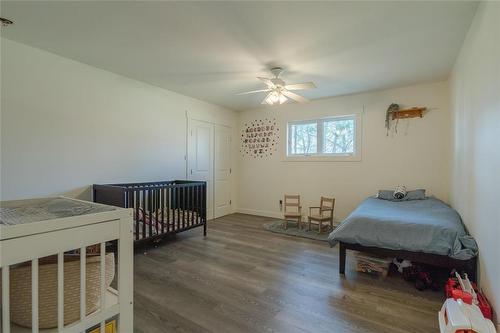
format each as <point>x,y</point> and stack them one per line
<point>285,224</point>
<point>309,227</point>
<point>298,222</point>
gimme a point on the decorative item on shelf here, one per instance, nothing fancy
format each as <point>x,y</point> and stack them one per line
<point>392,108</point>
<point>395,113</point>
<point>259,138</point>
<point>409,113</point>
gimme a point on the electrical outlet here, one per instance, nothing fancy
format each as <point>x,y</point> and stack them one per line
<point>281,205</point>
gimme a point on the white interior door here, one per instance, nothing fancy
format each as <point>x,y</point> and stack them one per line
<point>201,157</point>
<point>222,171</point>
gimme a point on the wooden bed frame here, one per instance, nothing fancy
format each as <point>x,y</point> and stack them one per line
<point>468,266</point>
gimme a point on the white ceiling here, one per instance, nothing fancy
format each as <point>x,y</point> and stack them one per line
<point>213,50</point>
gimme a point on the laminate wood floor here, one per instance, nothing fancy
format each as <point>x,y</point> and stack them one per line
<point>241,278</point>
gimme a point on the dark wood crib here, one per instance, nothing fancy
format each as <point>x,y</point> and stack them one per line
<point>159,208</point>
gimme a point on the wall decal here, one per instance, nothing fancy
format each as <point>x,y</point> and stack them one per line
<point>259,138</point>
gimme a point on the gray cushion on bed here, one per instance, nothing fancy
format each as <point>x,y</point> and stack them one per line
<point>415,195</point>
<point>410,195</point>
<point>429,226</point>
<point>386,195</point>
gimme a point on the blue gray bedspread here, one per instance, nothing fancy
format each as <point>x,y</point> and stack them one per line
<point>429,226</point>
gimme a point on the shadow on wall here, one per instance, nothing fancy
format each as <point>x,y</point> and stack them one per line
<point>81,193</point>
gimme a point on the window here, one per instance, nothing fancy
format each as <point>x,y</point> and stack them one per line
<point>338,136</point>
<point>335,137</point>
<point>303,138</point>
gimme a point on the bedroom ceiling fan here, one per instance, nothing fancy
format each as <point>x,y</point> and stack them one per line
<point>278,91</point>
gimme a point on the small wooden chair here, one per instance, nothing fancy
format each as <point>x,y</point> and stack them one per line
<point>292,209</point>
<point>325,213</point>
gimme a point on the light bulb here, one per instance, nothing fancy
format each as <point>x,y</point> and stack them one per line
<point>275,97</point>
<point>269,100</point>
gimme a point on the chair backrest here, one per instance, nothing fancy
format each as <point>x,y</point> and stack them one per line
<point>291,203</point>
<point>327,204</point>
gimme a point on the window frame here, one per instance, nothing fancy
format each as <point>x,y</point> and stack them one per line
<point>320,156</point>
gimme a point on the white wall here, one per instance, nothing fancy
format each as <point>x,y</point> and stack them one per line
<point>418,156</point>
<point>475,96</point>
<point>66,125</point>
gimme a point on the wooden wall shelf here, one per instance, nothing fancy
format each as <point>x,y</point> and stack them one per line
<point>409,113</point>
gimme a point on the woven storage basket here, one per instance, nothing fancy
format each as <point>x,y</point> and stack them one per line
<point>20,290</point>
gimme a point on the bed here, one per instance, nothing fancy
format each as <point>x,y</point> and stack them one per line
<point>426,231</point>
<point>158,208</point>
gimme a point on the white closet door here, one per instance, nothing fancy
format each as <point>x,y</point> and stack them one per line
<point>222,171</point>
<point>201,157</point>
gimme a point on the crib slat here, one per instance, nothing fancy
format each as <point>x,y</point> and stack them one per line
<point>136,207</point>
<point>144,214</point>
<point>157,208</point>
<point>191,204</point>
<point>60,291</point>
<point>168,209</point>
<point>162,202</point>
<point>5,299</point>
<point>178,206</point>
<point>198,204</point>
<point>204,203</point>
<point>83,282</point>
<point>103,276</point>
<point>195,205</point>
<point>184,207</point>
<point>174,208</point>
<point>151,212</point>
<point>34,295</point>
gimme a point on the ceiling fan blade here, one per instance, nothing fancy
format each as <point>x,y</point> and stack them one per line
<point>300,86</point>
<point>294,96</point>
<point>267,81</point>
<point>253,91</point>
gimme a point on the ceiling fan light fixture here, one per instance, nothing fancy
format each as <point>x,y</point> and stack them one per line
<point>283,99</point>
<point>278,91</point>
<point>269,99</point>
<point>275,97</point>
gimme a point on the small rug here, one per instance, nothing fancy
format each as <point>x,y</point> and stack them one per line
<point>277,227</point>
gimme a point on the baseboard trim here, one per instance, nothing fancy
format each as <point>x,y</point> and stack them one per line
<point>260,213</point>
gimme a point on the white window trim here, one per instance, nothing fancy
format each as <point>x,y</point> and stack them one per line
<point>319,157</point>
